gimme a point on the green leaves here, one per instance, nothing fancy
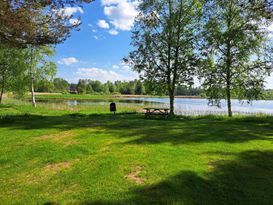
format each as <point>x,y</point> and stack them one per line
<point>233,35</point>
<point>164,38</point>
<point>36,23</point>
<point>19,66</point>
<point>12,70</point>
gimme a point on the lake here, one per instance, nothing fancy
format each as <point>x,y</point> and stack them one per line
<point>183,106</point>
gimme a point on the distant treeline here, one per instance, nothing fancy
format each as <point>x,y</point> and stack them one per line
<point>268,94</point>
<point>135,87</point>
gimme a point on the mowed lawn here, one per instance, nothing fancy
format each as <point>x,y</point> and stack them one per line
<point>51,155</point>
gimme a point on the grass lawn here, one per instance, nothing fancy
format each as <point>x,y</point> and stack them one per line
<point>54,155</point>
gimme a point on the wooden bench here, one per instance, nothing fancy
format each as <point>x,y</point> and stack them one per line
<point>156,111</point>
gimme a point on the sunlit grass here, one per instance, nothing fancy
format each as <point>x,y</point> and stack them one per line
<point>60,154</point>
<point>11,105</point>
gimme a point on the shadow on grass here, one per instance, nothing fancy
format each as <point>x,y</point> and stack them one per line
<point>192,130</point>
<point>32,121</point>
<point>246,180</point>
<point>5,106</point>
<point>142,131</point>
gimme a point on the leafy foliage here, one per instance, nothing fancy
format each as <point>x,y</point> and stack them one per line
<point>232,44</point>
<point>19,67</point>
<point>164,40</point>
<point>32,22</point>
<point>12,70</point>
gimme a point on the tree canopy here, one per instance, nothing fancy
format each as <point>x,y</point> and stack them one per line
<point>233,35</point>
<point>21,69</point>
<point>12,70</point>
<point>32,22</point>
<point>164,38</point>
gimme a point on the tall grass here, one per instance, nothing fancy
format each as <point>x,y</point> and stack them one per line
<point>12,106</point>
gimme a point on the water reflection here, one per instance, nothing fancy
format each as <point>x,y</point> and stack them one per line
<point>183,106</point>
<point>190,106</point>
<point>99,101</point>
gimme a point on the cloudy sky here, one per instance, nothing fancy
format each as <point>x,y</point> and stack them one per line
<point>96,51</point>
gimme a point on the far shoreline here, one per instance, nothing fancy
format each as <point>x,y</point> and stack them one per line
<point>111,95</point>
<point>155,96</point>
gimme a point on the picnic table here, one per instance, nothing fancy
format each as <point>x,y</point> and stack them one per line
<point>156,111</point>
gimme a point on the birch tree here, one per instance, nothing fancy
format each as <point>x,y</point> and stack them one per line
<point>40,67</point>
<point>234,31</point>
<point>164,38</point>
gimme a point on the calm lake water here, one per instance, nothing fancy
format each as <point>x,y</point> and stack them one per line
<point>189,106</point>
<point>183,106</point>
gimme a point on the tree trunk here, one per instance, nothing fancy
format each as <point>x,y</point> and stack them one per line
<point>169,83</point>
<point>229,101</point>
<point>1,95</point>
<point>171,96</point>
<point>2,86</point>
<point>228,63</point>
<point>32,78</point>
<point>33,93</point>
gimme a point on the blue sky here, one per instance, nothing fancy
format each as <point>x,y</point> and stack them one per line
<point>96,51</point>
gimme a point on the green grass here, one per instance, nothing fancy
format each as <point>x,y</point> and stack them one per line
<point>61,155</point>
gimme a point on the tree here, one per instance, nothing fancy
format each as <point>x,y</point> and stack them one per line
<point>97,86</point>
<point>268,55</point>
<point>12,70</point>
<point>89,88</point>
<point>260,7</point>
<point>81,86</point>
<point>60,85</point>
<point>125,88</point>
<point>164,38</point>
<point>233,36</point>
<point>111,86</point>
<point>36,23</point>
<point>155,89</point>
<point>44,85</point>
<point>106,88</point>
<point>117,85</point>
<point>73,88</point>
<point>139,88</point>
<point>39,66</point>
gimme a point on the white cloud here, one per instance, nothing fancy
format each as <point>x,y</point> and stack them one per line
<point>103,24</point>
<point>109,2</point>
<point>68,11</point>
<point>74,21</point>
<point>126,67</point>
<point>68,61</point>
<point>92,28</point>
<point>269,82</point>
<point>115,67</point>
<point>103,75</point>
<point>99,37</point>
<point>121,13</point>
<point>113,32</point>
<point>270,30</point>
